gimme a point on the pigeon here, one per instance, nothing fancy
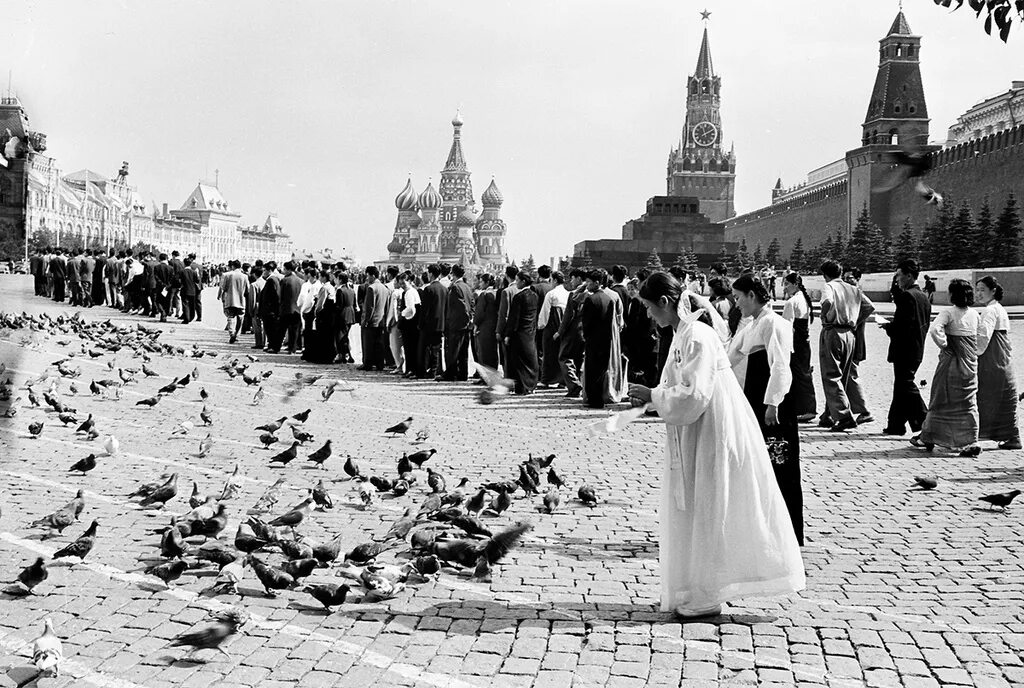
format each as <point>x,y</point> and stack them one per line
<point>86,425</point>
<point>926,482</point>
<point>172,542</point>
<point>551,500</point>
<point>476,502</point>
<point>271,578</point>
<point>273,426</point>
<point>183,428</point>
<point>422,435</point>
<point>84,465</point>
<point>169,571</point>
<point>1001,500</point>
<point>203,394</point>
<point>500,503</point>
<point>435,481</point>
<point>82,546</point>
<point>162,494</point>
<point>205,445</point>
<point>295,516</point>
<point>258,397</point>
<point>365,553</point>
<point>195,499</point>
<point>67,418</point>
<point>468,552</point>
<point>303,416</point>
<point>267,439</point>
<point>147,489</point>
<point>213,636</point>
<point>328,551</point>
<point>554,478</point>
<point>216,553</point>
<point>285,457</point>
<point>149,372</point>
<point>94,388</point>
<point>456,496</point>
<point>400,488</point>
<point>212,527</point>
<point>33,574</point>
<point>351,468</point>
<point>495,386</point>
<point>228,579</point>
<point>400,428</point>
<point>169,388</point>
<point>321,497</point>
<point>47,651</point>
<point>365,496</point>
<point>35,429</point>
<point>206,416</point>
<point>321,455</point>
<point>587,495</point>
<point>328,594</point>
<point>299,568</point>
<point>111,445</point>
<point>420,457</point>
<point>382,484</point>
<point>268,499</point>
<point>232,486</point>
<point>248,543</point>
<point>150,402</point>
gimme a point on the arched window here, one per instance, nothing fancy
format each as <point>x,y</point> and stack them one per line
<point>686,164</point>
<point>899,51</point>
<point>894,137</point>
<point>897,107</point>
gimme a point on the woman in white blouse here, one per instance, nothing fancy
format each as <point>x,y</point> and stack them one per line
<point>759,353</point>
<point>952,419</point>
<point>997,382</point>
<point>799,311</point>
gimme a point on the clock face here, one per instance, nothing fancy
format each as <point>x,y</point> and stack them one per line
<point>705,133</point>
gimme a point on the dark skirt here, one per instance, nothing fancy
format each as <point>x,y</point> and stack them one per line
<point>487,347</point>
<point>551,373</point>
<point>321,342</point>
<point>522,361</point>
<point>786,463</point>
<point>952,419</point>
<point>802,389</point>
<point>997,391</point>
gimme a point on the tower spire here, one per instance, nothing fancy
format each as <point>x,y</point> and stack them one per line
<point>704,68</point>
<point>456,161</point>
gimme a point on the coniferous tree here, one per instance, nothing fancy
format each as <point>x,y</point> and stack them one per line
<point>741,260</point>
<point>654,261</point>
<point>1008,232</point>
<point>771,255</point>
<point>529,265</point>
<point>958,246</point>
<point>906,244</point>
<point>986,251</point>
<point>758,257</point>
<point>796,256</point>
<point>868,248</point>
<point>937,250</point>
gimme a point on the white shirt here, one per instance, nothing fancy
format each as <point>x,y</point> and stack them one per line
<point>845,299</point>
<point>770,332</point>
<point>796,308</point>
<point>962,322</point>
<point>993,319</point>
<point>555,298</point>
<point>412,300</point>
<point>307,296</point>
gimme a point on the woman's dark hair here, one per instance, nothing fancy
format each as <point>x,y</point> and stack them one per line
<point>961,294</point>
<point>795,279</point>
<point>526,277</point>
<point>993,284</point>
<point>660,284</point>
<point>487,278</point>
<point>748,285</point>
<point>719,287</point>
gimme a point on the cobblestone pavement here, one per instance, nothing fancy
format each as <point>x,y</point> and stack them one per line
<point>904,587</point>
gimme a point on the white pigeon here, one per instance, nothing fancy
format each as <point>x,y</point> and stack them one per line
<point>258,397</point>
<point>47,651</point>
<point>205,445</point>
<point>111,445</point>
<point>183,428</point>
<point>497,386</point>
<point>232,487</point>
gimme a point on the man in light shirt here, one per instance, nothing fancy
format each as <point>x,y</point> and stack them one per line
<point>549,320</point>
<point>843,309</point>
<point>231,292</point>
<point>407,304</point>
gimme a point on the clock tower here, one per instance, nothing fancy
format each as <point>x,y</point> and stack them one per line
<point>699,167</point>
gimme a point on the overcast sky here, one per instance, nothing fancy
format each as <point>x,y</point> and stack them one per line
<point>319,110</point>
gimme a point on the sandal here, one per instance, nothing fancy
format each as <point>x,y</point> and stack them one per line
<point>973,450</point>
<point>917,442</point>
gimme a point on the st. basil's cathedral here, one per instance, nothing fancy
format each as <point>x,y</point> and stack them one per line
<point>443,224</point>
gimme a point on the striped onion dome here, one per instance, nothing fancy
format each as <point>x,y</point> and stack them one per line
<point>407,199</point>
<point>492,196</point>
<point>430,199</point>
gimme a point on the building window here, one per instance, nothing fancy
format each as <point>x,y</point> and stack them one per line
<point>897,108</point>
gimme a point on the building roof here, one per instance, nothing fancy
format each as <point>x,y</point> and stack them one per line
<point>206,197</point>
<point>492,196</point>
<point>85,176</point>
<point>272,225</point>
<point>430,199</point>
<point>456,160</point>
<point>704,68</point>
<point>900,27</point>
<point>406,200</point>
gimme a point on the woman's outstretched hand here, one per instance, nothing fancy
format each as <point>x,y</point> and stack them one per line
<point>639,395</point>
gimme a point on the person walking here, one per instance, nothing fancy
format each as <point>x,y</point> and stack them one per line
<point>952,419</point>
<point>997,381</point>
<point>231,294</point>
<point>725,533</point>
<point>458,327</point>
<point>521,335</point>
<point>906,333</point>
<point>799,311</point>
<point>842,310</point>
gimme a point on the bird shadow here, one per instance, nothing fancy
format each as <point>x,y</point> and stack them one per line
<point>994,475</point>
<point>589,549</point>
<point>24,676</point>
<point>308,609</point>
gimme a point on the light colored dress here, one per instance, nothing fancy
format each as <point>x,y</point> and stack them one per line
<point>952,419</point>
<point>725,530</point>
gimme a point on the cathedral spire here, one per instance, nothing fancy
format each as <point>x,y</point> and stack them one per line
<point>456,161</point>
<point>704,69</point>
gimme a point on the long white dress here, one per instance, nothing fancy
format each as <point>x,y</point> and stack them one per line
<point>725,530</point>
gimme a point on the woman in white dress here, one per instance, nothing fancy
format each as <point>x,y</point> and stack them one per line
<point>997,380</point>
<point>725,530</point>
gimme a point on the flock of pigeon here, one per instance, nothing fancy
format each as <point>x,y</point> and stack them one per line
<point>442,529</point>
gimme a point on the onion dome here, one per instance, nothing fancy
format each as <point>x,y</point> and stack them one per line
<point>492,196</point>
<point>430,199</point>
<point>396,246</point>
<point>457,119</point>
<point>466,218</point>
<point>407,199</point>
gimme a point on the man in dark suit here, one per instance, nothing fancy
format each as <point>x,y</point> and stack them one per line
<point>458,326</point>
<point>345,300</point>
<point>570,335</point>
<point>38,272</point>
<point>907,333</point>
<point>164,275</point>
<point>151,294</point>
<point>269,307</point>
<point>178,268</point>
<point>74,273</point>
<point>291,321</point>
<point>596,322</point>
<point>58,272</point>
<point>86,269</point>
<point>433,317</point>
<point>99,290</point>
<point>189,291</point>
<point>375,313</point>
<point>542,286</point>
<point>505,296</point>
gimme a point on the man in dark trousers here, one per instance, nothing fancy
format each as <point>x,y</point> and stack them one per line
<point>408,310</point>
<point>58,271</point>
<point>542,286</point>
<point>74,271</point>
<point>598,316</point>
<point>164,274</point>
<point>178,269</point>
<point>345,302</point>
<point>291,321</point>
<point>505,296</point>
<point>38,272</point>
<point>99,290</point>
<point>375,313</point>
<point>458,326</point>
<point>152,292</point>
<point>433,317</point>
<point>268,307</point>
<point>907,333</point>
<point>189,291</point>
<point>570,335</point>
